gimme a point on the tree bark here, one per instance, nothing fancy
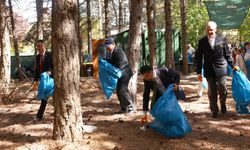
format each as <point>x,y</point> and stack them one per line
<point>151,31</point>
<point>39,10</point>
<point>120,20</point>
<point>15,41</point>
<point>4,49</point>
<point>134,42</point>
<point>184,36</point>
<point>169,55</point>
<point>89,27</point>
<point>106,19</point>
<point>65,44</point>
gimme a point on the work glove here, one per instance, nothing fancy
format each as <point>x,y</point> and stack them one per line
<point>144,118</point>
<point>34,85</point>
<point>199,77</point>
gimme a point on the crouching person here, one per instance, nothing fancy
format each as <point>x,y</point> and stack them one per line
<point>158,80</point>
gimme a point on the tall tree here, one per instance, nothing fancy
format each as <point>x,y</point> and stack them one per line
<point>169,55</point>
<point>15,41</point>
<point>39,10</point>
<point>151,31</point>
<point>120,20</point>
<point>89,27</point>
<point>65,44</point>
<point>184,35</point>
<point>134,41</point>
<point>106,19</point>
<point>4,48</point>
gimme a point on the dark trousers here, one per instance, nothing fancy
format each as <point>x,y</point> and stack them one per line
<point>215,86</point>
<point>41,110</point>
<point>126,102</point>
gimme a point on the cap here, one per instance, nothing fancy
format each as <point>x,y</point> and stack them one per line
<point>109,41</point>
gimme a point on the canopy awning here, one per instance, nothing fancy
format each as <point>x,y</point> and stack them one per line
<point>228,14</point>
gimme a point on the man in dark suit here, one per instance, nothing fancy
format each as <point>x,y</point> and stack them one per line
<point>214,55</point>
<point>44,63</point>
<point>158,81</point>
<point>117,58</point>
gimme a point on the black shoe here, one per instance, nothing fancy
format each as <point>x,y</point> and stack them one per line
<point>121,111</point>
<point>215,115</point>
<point>223,109</point>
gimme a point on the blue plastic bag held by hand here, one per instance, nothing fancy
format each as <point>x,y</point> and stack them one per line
<point>46,87</point>
<point>169,118</point>
<point>108,76</point>
<point>241,91</point>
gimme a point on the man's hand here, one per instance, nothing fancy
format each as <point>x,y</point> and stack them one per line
<point>176,87</point>
<point>199,77</point>
<point>35,85</point>
<point>236,68</point>
<point>144,119</point>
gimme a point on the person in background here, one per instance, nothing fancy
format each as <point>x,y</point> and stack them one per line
<point>213,50</point>
<point>44,63</point>
<point>158,81</point>
<point>247,58</point>
<point>118,59</point>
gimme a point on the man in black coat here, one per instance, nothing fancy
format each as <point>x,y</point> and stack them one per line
<point>44,63</point>
<point>214,55</point>
<point>117,58</point>
<point>158,81</point>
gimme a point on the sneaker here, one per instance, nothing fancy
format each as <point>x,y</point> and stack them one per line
<point>223,109</point>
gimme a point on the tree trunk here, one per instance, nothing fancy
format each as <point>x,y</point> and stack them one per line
<point>120,20</point>
<point>15,41</point>
<point>134,42</point>
<point>115,12</point>
<point>169,55</point>
<point>184,36</point>
<point>65,44</point>
<point>39,10</point>
<point>89,28</point>
<point>4,49</point>
<point>151,32</point>
<point>106,17</point>
<point>100,17</point>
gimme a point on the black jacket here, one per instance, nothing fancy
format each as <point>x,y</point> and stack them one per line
<point>47,65</point>
<point>119,59</point>
<point>215,60</point>
<point>167,77</point>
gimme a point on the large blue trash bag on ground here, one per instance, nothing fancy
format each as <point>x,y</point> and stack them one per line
<point>46,87</point>
<point>241,91</point>
<point>169,118</point>
<point>108,76</point>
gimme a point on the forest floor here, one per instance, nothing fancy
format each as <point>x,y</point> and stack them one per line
<point>18,130</point>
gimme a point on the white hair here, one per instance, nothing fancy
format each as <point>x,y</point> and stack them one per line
<point>212,24</point>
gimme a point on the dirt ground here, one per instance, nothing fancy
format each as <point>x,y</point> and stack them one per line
<point>18,131</point>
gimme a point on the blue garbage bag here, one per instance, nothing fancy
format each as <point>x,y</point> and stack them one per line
<point>229,70</point>
<point>204,80</point>
<point>240,87</point>
<point>242,108</point>
<point>169,118</point>
<point>248,68</point>
<point>46,87</point>
<point>108,76</point>
<point>204,83</point>
<point>241,91</point>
